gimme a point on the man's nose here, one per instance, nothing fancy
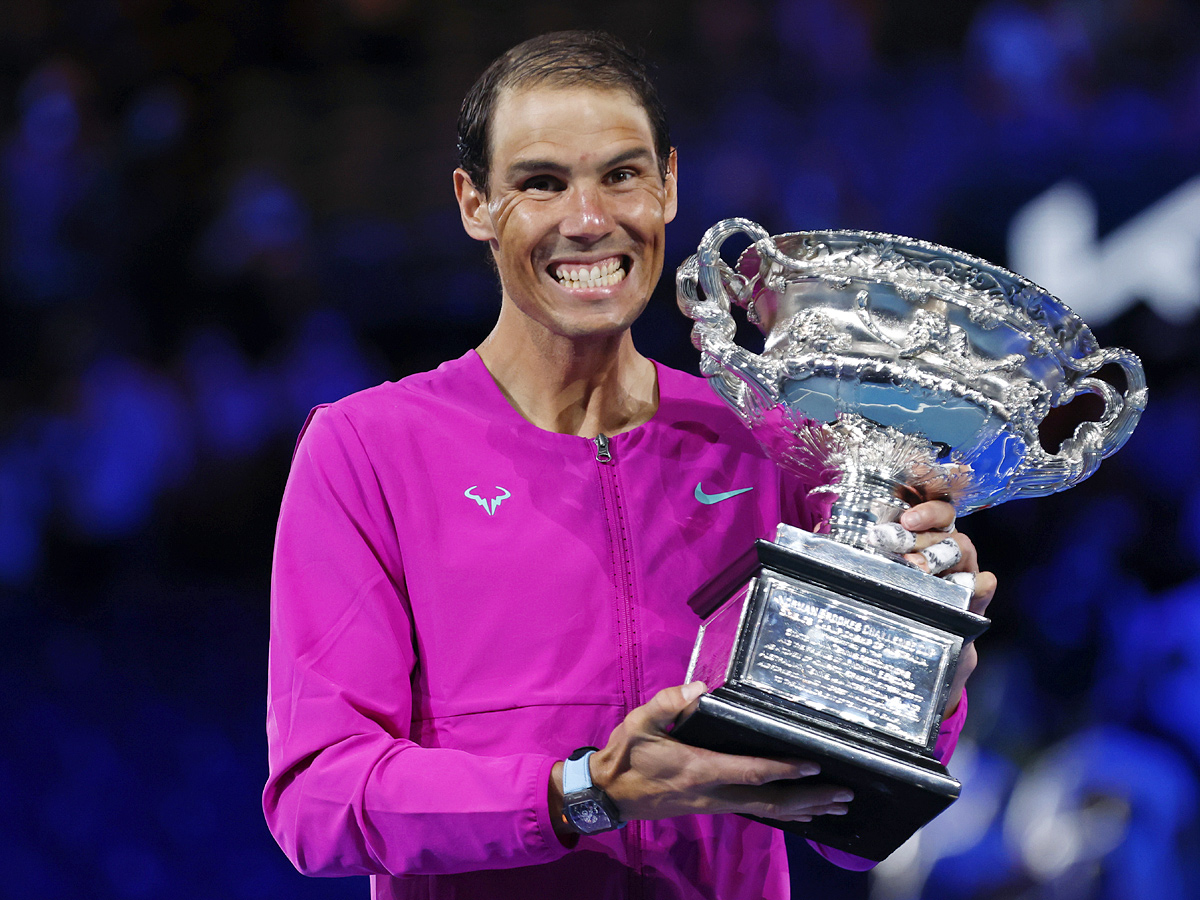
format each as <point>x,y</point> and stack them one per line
<point>587,216</point>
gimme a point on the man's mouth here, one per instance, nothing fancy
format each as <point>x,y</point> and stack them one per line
<point>602,273</point>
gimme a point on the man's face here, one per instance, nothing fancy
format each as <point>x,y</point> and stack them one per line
<point>577,208</point>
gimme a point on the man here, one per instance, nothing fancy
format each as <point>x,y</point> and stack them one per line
<point>483,568</point>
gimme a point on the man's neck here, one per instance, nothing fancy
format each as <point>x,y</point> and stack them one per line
<point>583,387</point>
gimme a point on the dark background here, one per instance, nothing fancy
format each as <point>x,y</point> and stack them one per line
<point>214,215</point>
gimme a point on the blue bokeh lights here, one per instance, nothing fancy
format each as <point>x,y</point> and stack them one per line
<point>216,216</point>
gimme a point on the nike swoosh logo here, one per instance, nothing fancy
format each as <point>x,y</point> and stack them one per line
<point>710,499</point>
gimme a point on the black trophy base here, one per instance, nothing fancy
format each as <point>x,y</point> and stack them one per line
<point>819,651</point>
<point>894,795</point>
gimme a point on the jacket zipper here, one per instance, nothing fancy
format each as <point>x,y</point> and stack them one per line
<point>622,558</point>
<point>603,453</point>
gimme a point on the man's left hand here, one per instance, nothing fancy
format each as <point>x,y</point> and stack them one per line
<point>927,538</point>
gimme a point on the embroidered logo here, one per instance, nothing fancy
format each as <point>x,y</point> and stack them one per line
<point>491,505</point>
<point>710,499</point>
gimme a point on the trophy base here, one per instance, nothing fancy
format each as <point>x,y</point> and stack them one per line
<point>893,796</point>
<point>816,650</point>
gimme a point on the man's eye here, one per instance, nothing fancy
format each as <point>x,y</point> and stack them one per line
<point>542,183</point>
<point>621,175</point>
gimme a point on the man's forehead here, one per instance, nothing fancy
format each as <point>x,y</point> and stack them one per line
<point>520,109</point>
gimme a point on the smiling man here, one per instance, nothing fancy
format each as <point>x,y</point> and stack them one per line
<point>574,211</point>
<point>481,573</point>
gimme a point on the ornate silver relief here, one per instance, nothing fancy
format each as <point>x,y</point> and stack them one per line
<point>894,364</point>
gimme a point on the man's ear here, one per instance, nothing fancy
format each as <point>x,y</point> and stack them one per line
<point>671,183</point>
<point>472,206</point>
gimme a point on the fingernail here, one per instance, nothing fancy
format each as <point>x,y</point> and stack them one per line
<point>843,796</point>
<point>809,770</point>
<point>692,690</point>
<point>892,537</point>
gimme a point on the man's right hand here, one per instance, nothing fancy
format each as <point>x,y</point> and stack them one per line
<point>650,775</point>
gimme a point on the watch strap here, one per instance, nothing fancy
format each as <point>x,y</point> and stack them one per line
<point>577,772</point>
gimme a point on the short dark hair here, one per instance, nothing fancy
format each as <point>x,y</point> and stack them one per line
<point>562,59</point>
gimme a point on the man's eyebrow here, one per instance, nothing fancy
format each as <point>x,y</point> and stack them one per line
<point>538,166</point>
<point>531,166</point>
<point>640,154</point>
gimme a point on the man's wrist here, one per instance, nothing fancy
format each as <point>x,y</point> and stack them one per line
<point>587,808</point>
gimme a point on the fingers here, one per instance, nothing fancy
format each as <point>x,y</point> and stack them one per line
<point>963,579</point>
<point>985,589</point>
<point>937,548</point>
<point>938,555</point>
<point>791,803</point>
<point>932,515</point>
<point>934,552</point>
<point>649,775</point>
<point>925,535</point>
<point>942,556</point>
<point>892,537</point>
<point>918,527</point>
<point>709,770</point>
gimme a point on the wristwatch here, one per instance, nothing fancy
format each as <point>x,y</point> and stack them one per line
<point>586,808</point>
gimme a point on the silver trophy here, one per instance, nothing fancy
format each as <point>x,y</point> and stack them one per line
<point>894,370</point>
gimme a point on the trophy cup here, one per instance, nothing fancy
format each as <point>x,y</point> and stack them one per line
<point>894,370</point>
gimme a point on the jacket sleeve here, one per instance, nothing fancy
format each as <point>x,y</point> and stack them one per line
<point>348,791</point>
<point>944,748</point>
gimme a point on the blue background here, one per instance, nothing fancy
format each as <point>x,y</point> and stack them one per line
<point>214,215</point>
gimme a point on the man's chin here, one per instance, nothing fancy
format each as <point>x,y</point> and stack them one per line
<point>598,327</point>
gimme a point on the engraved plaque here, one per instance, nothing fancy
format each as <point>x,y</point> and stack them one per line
<point>844,658</point>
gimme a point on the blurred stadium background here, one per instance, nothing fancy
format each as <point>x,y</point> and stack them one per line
<point>214,215</point>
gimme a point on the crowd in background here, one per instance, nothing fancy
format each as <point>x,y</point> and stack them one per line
<point>215,214</point>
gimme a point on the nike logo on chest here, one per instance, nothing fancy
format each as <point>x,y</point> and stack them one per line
<point>710,499</point>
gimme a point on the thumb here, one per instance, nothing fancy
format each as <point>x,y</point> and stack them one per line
<point>668,704</point>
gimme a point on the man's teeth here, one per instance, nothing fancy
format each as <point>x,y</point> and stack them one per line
<point>603,274</point>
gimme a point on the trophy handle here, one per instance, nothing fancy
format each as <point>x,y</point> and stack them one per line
<point>705,286</point>
<point>1043,473</point>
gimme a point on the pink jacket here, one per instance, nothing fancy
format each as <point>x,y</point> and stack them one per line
<point>460,599</point>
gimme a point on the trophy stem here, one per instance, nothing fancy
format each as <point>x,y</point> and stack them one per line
<point>863,499</point>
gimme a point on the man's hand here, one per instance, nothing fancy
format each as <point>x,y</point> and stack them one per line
<point>926,536</point>
<point>650,775</point>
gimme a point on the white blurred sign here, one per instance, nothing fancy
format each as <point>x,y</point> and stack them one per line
<point>1154,257</point>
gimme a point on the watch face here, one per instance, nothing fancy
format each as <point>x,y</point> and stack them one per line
<point>589,816</point>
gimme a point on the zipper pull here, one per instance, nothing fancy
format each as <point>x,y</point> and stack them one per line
<point>603,454</point>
